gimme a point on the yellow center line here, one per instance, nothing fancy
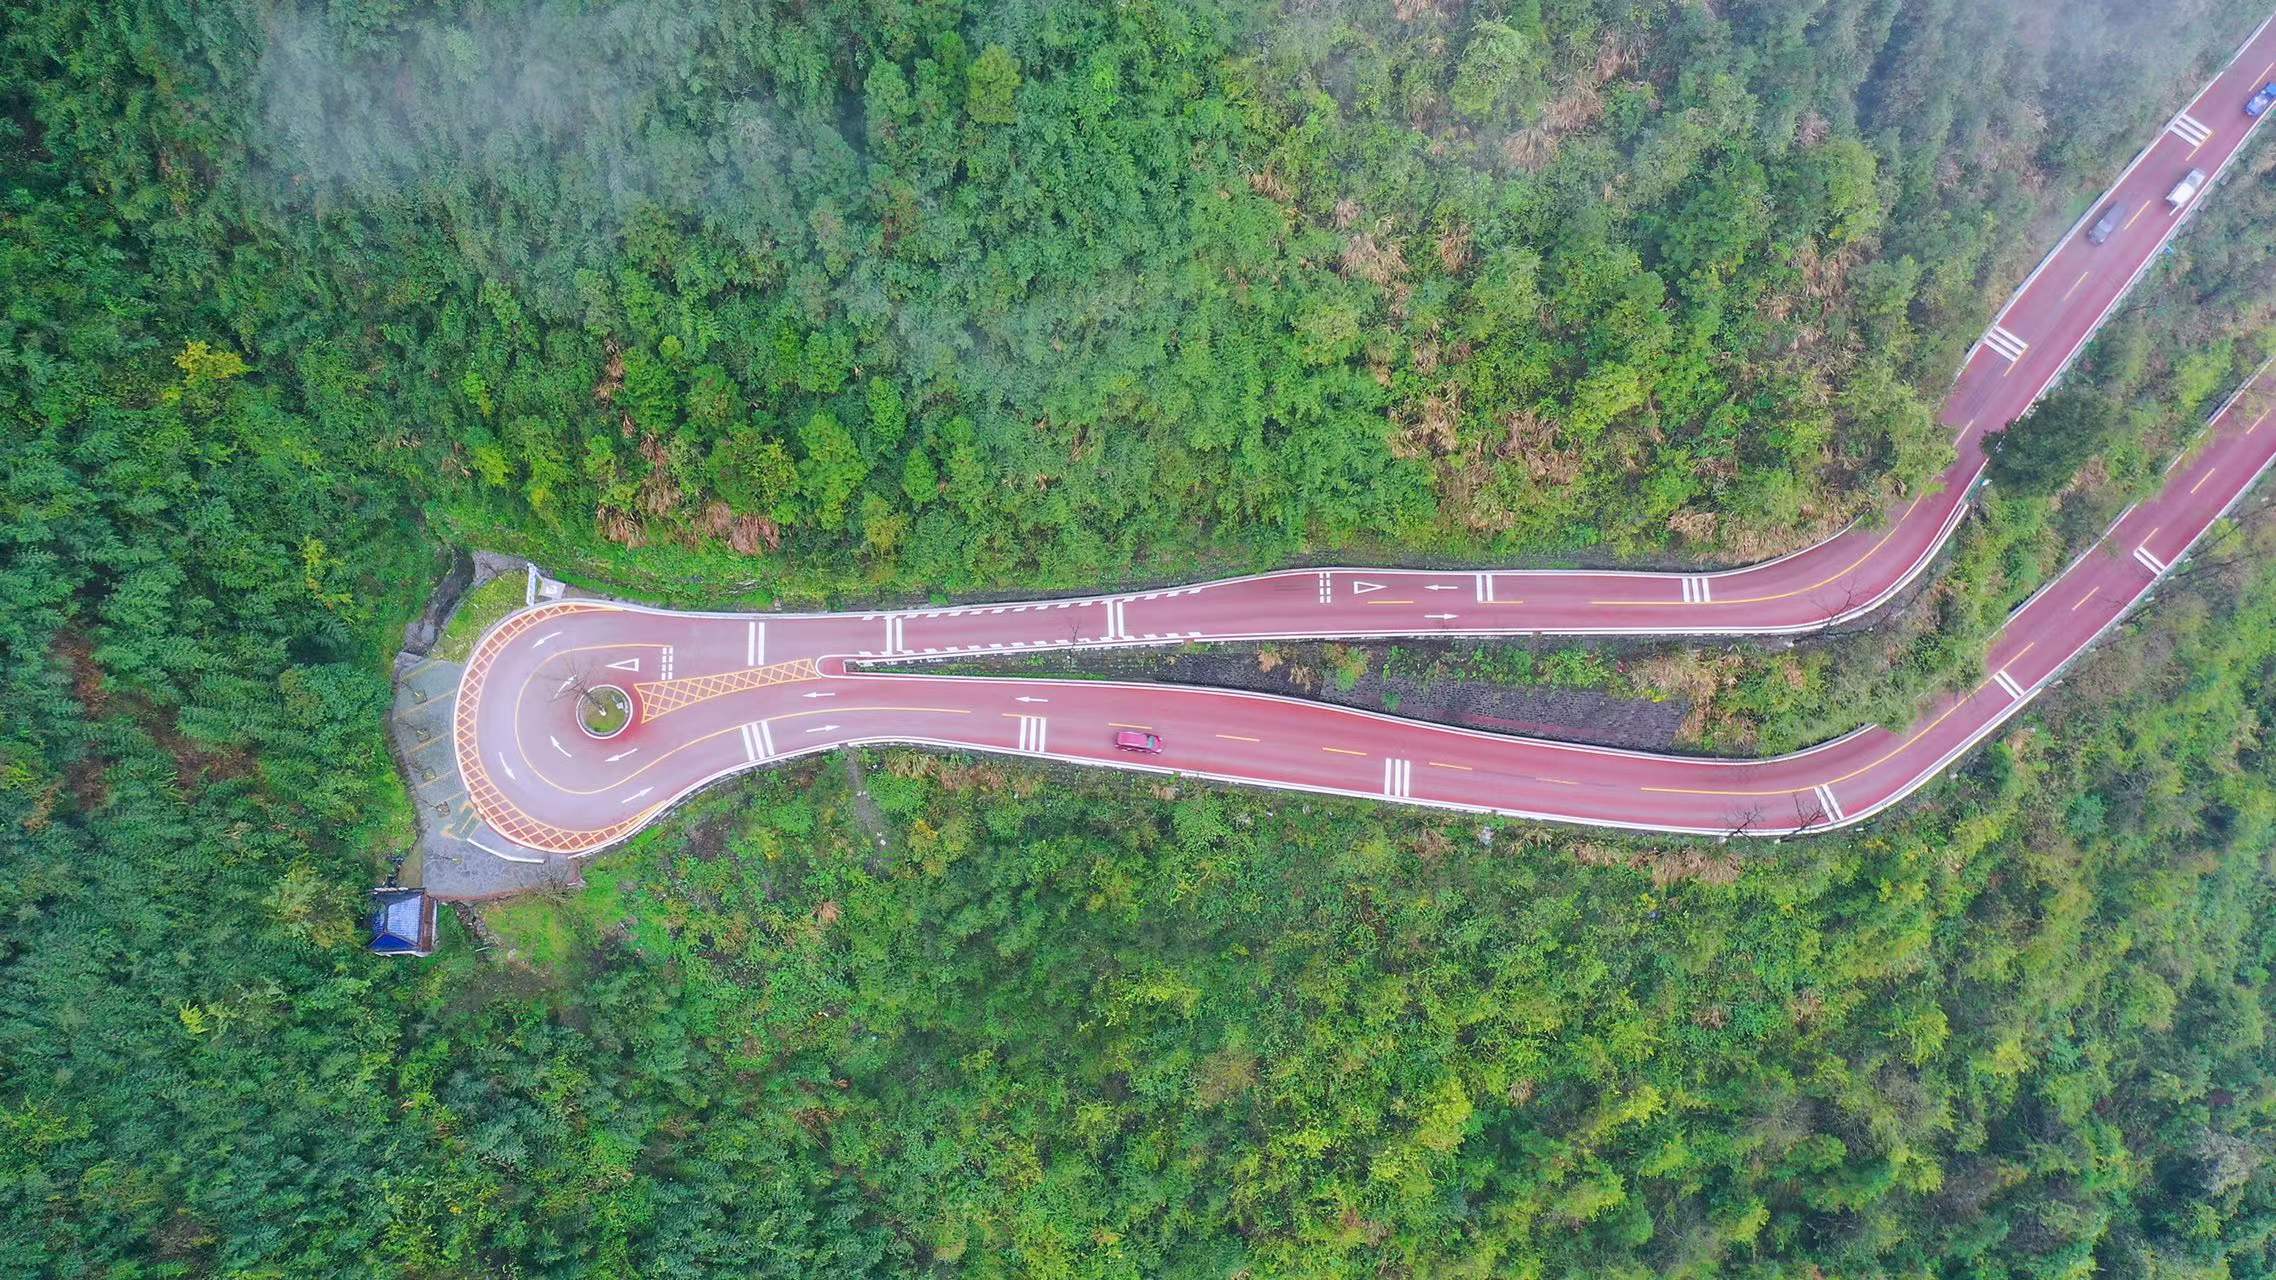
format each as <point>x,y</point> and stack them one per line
<point>1235,737</point>
<point>2082,600</point>
<point>1441,764</point>
<point>1562,782</point>
<point>1390,602</point>
<point>1505,602</point>
<point>1117,724</point>
<point>2075,284</point>
<point>2139,212</point>
<point>1891,754</point>
<point>2203,478</point>
<point>720,733</point>
<point>1894,526</point>
<point>1342,752</point>
<point>2256,422</point>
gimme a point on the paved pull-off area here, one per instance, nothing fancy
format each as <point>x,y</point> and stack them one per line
<point>718,693</point>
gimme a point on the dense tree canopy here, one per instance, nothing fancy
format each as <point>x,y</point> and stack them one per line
<point>847,296</point>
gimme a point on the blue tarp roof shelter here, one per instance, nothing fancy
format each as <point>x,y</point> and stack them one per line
<point>402,922</point>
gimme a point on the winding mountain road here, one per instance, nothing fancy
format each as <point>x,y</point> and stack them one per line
<point>716,694</point>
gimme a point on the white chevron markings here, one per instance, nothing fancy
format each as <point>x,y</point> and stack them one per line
<point>2005,344</point>
<point>1398,778</point>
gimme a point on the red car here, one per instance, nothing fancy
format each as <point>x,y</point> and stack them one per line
<point>1142,743</point>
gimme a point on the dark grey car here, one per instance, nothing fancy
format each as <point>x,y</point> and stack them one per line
<point>2112,218</point>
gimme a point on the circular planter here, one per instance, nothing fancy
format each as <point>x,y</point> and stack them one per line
<point>604,711</point>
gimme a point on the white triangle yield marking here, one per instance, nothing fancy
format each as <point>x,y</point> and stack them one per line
<point>1359,588</point>
<point>629,664</point>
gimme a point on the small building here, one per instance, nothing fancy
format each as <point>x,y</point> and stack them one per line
<point>402,922</point>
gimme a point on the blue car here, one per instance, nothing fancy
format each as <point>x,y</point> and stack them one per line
<point>2262,100</point>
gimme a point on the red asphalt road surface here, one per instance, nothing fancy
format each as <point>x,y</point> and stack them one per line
<point>720,693</point>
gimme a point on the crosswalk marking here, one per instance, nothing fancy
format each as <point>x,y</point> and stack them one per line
<point>664,662</point>
<point>1696,591</point>
<point>758,741</point>
<point>1398,778</point>
<point>755,645</point>
<point>1031,733</point>
<point>1327,588</point>
<point>2150,562</point>
<point>1117,627</point>
<point>893,636</point>
<point>2008,683</point>
<point>2005,344</point>
<point>2191,130</point>
<point>1826,801</point>
<point>1485,588</point>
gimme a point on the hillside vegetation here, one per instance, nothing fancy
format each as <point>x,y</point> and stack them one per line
<point>837,297</point>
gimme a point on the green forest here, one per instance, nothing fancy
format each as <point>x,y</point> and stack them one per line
<point>832,302</point>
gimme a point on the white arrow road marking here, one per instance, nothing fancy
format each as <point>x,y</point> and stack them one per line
<point>564,686</point>
<point>539,643</point>
<point>1442,617</point>
<point>622,754</point>
<point>2008,683</point>
<point>817,695</point>
<point>557,744</point>
<point>822,728</point>
<point>1362,588</point>
<point>1024,698</point>
<point>1825,799</point>
<point>1436,587</point>
<point>507,767</point>
<point>637,794</point>
<point>627,664</point>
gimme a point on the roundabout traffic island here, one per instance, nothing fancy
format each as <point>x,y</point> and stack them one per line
<point>604,711</point>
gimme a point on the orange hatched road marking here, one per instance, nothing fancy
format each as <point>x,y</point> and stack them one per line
<point>489,802</point>
<point>660,698</point>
